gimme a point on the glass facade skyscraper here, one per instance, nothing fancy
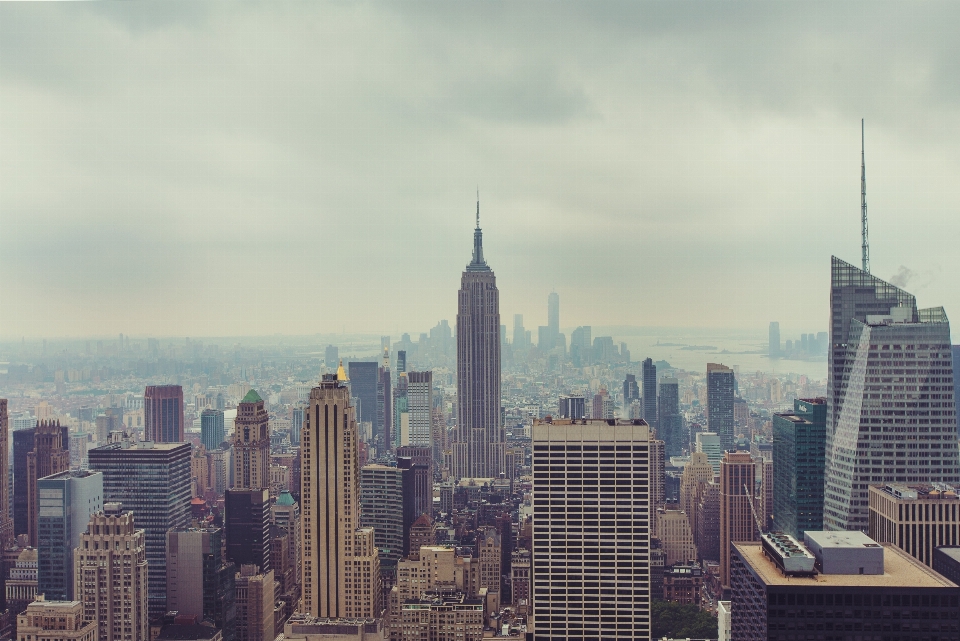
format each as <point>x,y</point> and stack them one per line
<point>720,386</point>
<point>798,459</point>
<point>212,430</point>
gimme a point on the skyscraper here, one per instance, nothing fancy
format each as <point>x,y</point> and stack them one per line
<point>890,406</point>
<point>153,481</point>
<point>383,439</point>
<point>420,407</point>
<point>341,568</point>
<point>364,377</point>
<point>163,413</point>
<point>200,580</point>
<point>246,521</point>
<point>773,349</point>
<point>49,456</point>
<point>381,508</point>
<point>6,523</point>
<point>631,391</point>
<point>212,430</point>
<point>553,317</point>
<point>110,571</point>
<point>649,375</point>
<point>331,356</point>
<point>798,460</point>
<point>251,444</point>
<point>479,450</point>
<point>296,424</point>
<point>720,385</point>
<point>737,479</point>
<point>68,500</point>
<point>23,441</point>
<point>669,419</point>
<point>577,522</point>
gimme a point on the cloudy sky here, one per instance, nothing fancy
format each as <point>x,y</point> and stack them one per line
<point>185,168</point>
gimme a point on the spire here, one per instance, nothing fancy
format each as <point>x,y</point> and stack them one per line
<point>864,231</point>
<point>341,375</point>
<point>478,264</point>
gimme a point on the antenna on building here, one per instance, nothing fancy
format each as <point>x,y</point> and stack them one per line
<point>478,206</point>
<point>864,231</point>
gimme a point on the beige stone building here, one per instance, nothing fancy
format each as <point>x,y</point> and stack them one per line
<point>674,532</point>
<point>915,518</point>
<point>55,621</point>
<point>110,571</point>
<point>255,603</point>
<point>453,617</point>
<point>696,475</point>
<point>488,553</point>
<point>251,444</point>
<point>737,481</point>
<point>341,566</point>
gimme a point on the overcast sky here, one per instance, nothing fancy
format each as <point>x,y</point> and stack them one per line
<point>196,168</point>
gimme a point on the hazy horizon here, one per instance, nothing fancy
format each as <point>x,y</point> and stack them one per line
<point>251,169</point>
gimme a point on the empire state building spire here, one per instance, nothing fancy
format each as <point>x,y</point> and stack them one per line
<point>478,264</point>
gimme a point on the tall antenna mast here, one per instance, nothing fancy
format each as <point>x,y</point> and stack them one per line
<point>864,230</point>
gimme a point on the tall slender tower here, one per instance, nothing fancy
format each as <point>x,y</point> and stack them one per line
<point>341,567</point>
<point>864,230</point>
<point>6,523</point>
<point>49,456</point>
<point>163,413</point>
<point>479,450</point>
<point>251,444</point>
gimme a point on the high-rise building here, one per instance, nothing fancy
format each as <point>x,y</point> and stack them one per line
<point>364,378</point>
<point>341,567</point>
<point>649,376</point>
<point>478,452</point>
<point>67,501</point>
<point>669,419</point>
<point>916,518</point>
<point>110,571</point>
<point>55,621</point>
<point>381,508</point>
<point>673,530</point>
<point>709,443</point>
<point>783,589</point>
<point>707,532</point>
<point>573,407</point>
<point>798,460</point>
<point>331,356</point>
<point>200,580</point>
<point>420,481</point>
<point>285,516</point>
<point>720,384</point>
<point>49,456</point>
<point>251,444</point>
<point>6,523</point>
<point>773,349</point>
<point>23,442</point>
<point>519,334</point>
<point>246,523</point>
<point>696,475</point>
<point>21,583</point>
<point>631,391</point>
<point>737,524</point>
<point>163,413</point>
<point>153,481</point>
<point>212,430</point>
<point>657,476</point>
<point>255,603</point>
<point>890,410</point>
<point>578,521</point>
<point>420,407</point>
<point>553,317</point>
<point>296,424</point>
<point>383,438</point>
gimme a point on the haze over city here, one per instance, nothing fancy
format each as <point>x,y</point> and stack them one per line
<point>213,169</point>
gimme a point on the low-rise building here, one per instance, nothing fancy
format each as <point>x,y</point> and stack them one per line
<point>682,583</point>
<point>916,518</point>
<point>55,621</point>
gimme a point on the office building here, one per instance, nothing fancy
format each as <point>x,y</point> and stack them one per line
<point>163,413</point>
<point>783,590</point>
<point>401,413</point>
<point>649,376</point>
<point>381,508</point>
<point>709,443</point>
<point>737,523</point>
<point>892,418</point>
<point>553,318</point>
<point>676,536</point>
<point>573,407</point>
<point>67,500</point>
<point>23,442</point>
<point>6,522</point>
<point>773,349</point>
<point>696,474</point>
<point>246,524</point>
<point>220,464</point>
<point>110,570</point>
<point>577,519</point>
<point>296,424</point>
<point>669,419</point>
<point>285,519</point>
<point>682,583</point>
<point>916,518</point>
<point>201,582</point>
<point>152,480</point>
<point>946,562</point>
<point>657,476</point>
<point>212,430</point>
<point>419,461</point>
<point>255,601</point>
<point>631,390</point>
<point>46,620</point>
<point>765,507</point>
<point>49,456</point>
<point>383,439</point>
<point>364,378</point>
<point>251,444</point>
<point>798,460</point>
<point>21,584</point>
<point>707,531</point>
<point>720,386</point>
<point>420,408</point>
<point>479,450</point>
<point>439,616</point>
<point>341,567</point>
<point>331,357</point>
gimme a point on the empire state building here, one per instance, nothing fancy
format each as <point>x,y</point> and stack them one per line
<point>479,450</point>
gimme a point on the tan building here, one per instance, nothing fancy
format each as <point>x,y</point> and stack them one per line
<point>50,455</point>
<point>110,570</point>
<point>674,532</point>
<point>696,475</point>
<point>303,627</point>
<point>255,603</point>
<point>55,621</point>
<point>520,580</point>
<point>657,480</point>
<point>915,518</point>
<point>22,581</point>
<point>422,532</point>
<point>453,617</point>
<point>488,553</point>
<point>766,492</point>
<point>737,481</point>
<point>341,566</point>
<point>707,533</point>
<point>200,471</point>
<point>251,444</point>
<point>433,569</point>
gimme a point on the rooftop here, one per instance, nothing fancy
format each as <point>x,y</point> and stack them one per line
<point>187,632</point>
<point>251,397</point>
<point>900,570</point>
<point>922,491</point>
<point>844,539</point>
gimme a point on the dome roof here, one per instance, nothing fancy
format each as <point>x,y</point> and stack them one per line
<point>285,498</point>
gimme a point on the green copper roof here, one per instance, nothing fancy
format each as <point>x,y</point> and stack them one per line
<point>285,498</point>
<point>251,397</point>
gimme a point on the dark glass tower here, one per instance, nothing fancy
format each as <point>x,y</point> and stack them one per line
<point>480,437</point>
<point>649,375</point>
<point>720,385</point>
<point>669,420</point>
<point>364,377</point>
<point>212,430</point>
<point>798,460</point>
<point>163,413</point>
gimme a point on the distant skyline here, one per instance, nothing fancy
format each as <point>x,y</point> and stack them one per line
<point>217,169</point>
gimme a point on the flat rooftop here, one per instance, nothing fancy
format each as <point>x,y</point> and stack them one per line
<point>899,570</point>
<point>842,539</point>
